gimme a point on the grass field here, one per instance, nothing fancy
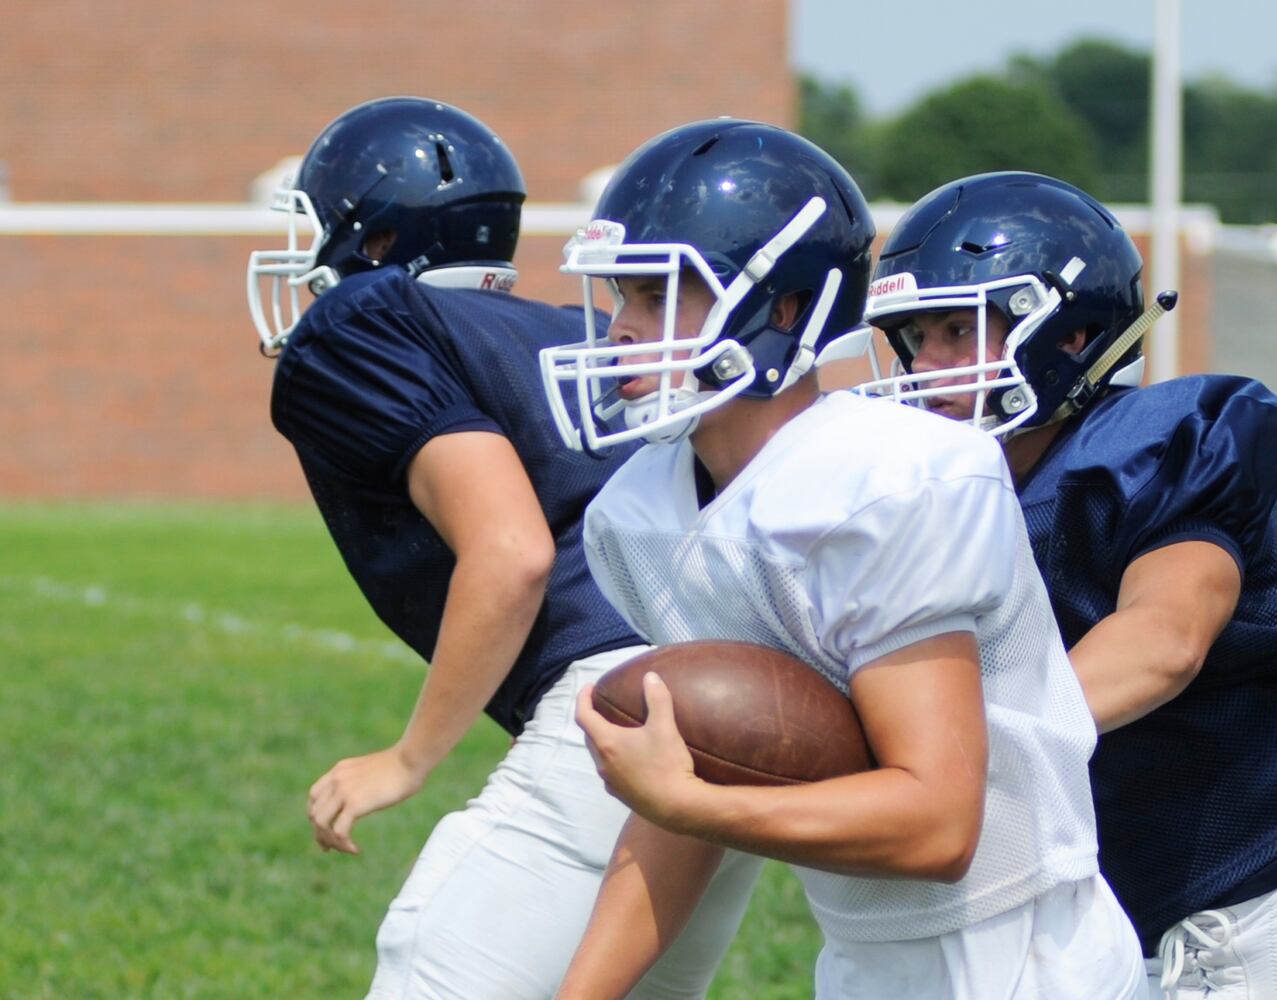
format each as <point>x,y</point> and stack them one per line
<point>173,679</point>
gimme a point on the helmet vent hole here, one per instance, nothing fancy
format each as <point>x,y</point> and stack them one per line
<point>970,247</point>
<point>705,146</point>
<point>445,164</point>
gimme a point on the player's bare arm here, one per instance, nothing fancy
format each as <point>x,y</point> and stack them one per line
<point>1172,604</point>
<point>472,487</point>
<point>651,887</point>
<point>918,814</point>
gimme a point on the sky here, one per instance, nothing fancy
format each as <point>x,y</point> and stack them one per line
<point>894,52</point>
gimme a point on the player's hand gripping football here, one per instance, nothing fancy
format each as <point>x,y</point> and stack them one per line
<point>355,787</point>
<point>647,767</point>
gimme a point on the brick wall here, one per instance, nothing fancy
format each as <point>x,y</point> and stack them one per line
<point>155,101</point>
<point>127,363</point>
<point>129,368</point>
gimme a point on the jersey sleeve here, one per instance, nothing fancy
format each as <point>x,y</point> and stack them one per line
<point>914,565</point>
<point>1210,481</point>
<point>368,388</point>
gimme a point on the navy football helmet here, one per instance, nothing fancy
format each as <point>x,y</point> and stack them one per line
<point>757,213</point>
<point>430,187</point>
<point>1050,258</point>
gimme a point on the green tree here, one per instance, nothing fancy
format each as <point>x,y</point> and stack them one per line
<point>831,115</point>
<point>1107,87</point>
<point>1230,132</point>
<point>980,124</point>
<point>1082,114</point>
<point>1230,150</point>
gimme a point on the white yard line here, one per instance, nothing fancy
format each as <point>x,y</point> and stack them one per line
<point>196,615</point>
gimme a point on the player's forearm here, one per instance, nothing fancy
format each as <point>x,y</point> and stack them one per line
<point>917,814</point>
<point>652,885</point>
<point>1134,661</point>
<point>1171,606</point>
<point>490,609</point>
<point>879,823</point>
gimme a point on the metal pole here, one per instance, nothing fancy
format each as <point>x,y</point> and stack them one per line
<point>1167,185</point>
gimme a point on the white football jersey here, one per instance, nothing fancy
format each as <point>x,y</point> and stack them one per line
<point>861,527</point>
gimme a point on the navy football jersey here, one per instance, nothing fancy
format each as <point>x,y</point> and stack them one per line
<point>380,365</point>
<point>1186,797</point>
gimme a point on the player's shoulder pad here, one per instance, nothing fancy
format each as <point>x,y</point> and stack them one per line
<point>642,481</point>
<point>895,445</point>
<point>1216,409</point>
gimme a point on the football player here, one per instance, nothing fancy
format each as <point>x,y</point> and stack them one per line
<point>1014,300</point>
<point>882,546</point>
<point>409,393</point>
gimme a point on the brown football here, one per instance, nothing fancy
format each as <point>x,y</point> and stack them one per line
<point>749,714</point>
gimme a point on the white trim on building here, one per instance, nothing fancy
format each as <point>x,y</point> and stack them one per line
<point>1200,224</point>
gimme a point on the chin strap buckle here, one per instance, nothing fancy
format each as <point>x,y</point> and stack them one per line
<point>1084,389</point>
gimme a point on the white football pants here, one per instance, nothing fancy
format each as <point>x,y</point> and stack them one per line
<point>1225,954</point>
<point>501,893</point>
<point>1072,942</point>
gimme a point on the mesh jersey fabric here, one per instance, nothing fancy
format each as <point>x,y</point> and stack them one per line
<point>861,527</point>
<point>1184,795</point>
<point>380,365</point>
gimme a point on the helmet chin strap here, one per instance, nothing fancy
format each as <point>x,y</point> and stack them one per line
<point>805,357</point>
<point>1085,387</point>
<point>644,411</point>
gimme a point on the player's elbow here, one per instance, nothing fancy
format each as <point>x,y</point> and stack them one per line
<point>947,854</point>
<point>1183,659</point>
<point>953,859</point>
<point>514,567</point>
<point>530,564</point>
<point>947,848</point>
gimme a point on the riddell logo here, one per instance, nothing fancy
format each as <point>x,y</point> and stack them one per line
<point>892,284</point>
<point>497,282</point>
<point>603,231</point>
